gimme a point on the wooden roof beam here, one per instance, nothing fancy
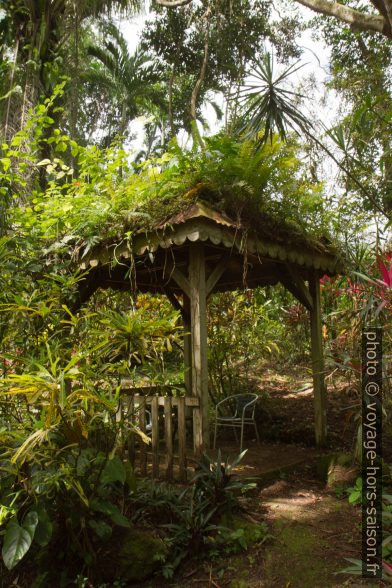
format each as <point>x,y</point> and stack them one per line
<point>172,272</point>
<point>294,283</point>
<point>217,273</point>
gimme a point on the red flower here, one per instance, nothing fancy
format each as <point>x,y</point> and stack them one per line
<point>386,272</point>
<point>387,567</point>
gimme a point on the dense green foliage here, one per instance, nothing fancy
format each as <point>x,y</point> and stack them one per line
<point>72,92</point>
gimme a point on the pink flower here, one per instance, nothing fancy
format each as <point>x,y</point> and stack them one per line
<point>386,272</point>
<point>387,567</point>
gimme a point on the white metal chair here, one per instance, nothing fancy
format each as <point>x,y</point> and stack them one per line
<point>245,406</point>
<point>148,423</point>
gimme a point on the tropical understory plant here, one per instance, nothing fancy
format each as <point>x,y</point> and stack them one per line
<point>355,497</point>
<point>66,491</point>
<point>63,481</point>
<point>269,105</point>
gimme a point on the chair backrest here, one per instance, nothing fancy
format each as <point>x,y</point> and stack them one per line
<point>242,400</point>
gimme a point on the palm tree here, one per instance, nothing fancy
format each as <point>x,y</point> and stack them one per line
<point>36,31</point>
<point>131,80</point>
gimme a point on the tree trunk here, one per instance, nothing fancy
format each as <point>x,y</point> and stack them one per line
<point>196,90</point>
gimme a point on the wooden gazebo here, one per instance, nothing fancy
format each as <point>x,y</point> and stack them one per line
<point>200,250</point>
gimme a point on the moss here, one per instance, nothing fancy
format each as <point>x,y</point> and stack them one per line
<point>297,538</point>
<point>240,534</point>
<point>239,584</point>
<point>258,190</point>
<point>292,560</point>
<point>134,557</point>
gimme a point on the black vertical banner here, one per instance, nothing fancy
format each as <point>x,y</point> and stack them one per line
<point>371,452</point>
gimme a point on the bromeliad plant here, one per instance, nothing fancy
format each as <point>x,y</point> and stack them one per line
<point>216,483</point>
<point>190,519</point>
<point>136,338</point>
<point>215,491</point>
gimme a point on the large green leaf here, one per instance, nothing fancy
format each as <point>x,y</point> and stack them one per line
<point>30,523</point>
<point>130,476</point>
<point>102,529</point>
<point>17,539</point>
<point>43,532</point>
<point>114,471</point>
<point>111,510</point>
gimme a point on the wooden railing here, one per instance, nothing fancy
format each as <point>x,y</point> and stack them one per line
<point>168,453</point>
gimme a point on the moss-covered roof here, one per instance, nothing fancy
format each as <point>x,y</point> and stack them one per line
<point>190,218</point>
<point>257,213</point>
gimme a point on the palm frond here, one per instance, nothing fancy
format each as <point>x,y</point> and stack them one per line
<point>97,7</point>
<point>104,56</point>
<point>269,107</point>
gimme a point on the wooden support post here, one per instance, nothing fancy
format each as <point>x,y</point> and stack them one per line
<point>319,388</point>
<point>217,273</point>
<point>295,284</point>
<point>187,345</point>
<point>168,437</point>
<point>155,437</point>
<point>131,436</point>
<point>182,439</point>
<point>198,307</point>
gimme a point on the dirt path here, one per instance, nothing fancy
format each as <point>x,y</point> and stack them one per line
<point>312,532</point>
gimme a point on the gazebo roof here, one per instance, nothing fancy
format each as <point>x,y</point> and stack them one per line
<point>197,250</point>
<point>256,252</point>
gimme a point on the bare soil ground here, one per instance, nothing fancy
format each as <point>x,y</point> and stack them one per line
<point>311,530</point>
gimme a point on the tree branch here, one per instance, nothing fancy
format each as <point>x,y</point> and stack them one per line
<point>379,5</point>
<point>360,21</point>
<point>173,3</point>
<point>388,10</point>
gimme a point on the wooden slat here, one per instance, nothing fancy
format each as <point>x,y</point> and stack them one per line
<point>119,420</point>
<point>145,390</point>
<point>189,400</point>
<point>182,439</point>
<point>155,437</point>
<point>169,438</point>
<point>120,411</point>
<point>143,448</point>
<point>131,436</point>
<point>138,404</point>
<point>197,444</point>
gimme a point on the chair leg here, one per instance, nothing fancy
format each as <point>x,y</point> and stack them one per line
<point>235,433</point>
<point>242,436</point>
<point>257,434</point>
<point>215,433</point>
